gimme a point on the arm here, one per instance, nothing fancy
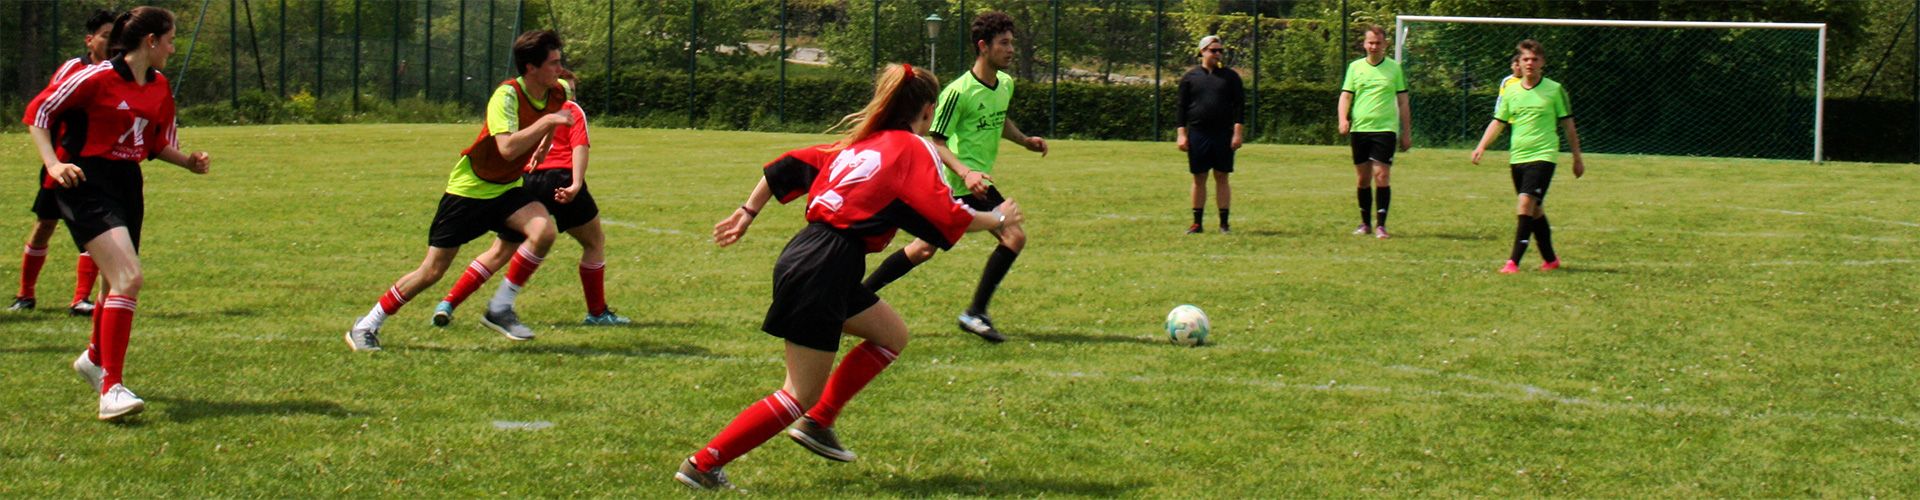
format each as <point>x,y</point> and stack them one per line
<point>62,172</point>
<point>566,194</point>
<point>1239,109</point>
<point>196,162</point>
<point>1003,216</point>
<point>1035,144</point>
<point>730,229</point>
<point>1406,122</point>
<point>1237,139</point>
<point>1346,106</point>
<point>1494,129</point>
<point>1180,116</point>
<point>516,143</point>
<point>1573,141</point>
<point>976,181</point>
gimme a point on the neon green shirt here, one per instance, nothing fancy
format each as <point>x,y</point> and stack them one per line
<point>1535,115</point>
<point>1507,83</point>
<point>1376,90</point>
<point>503,117</point>
<point>970,117</point>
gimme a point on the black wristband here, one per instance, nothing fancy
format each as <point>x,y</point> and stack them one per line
<point>750,212</point>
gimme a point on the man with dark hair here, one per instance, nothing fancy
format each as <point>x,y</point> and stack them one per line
<point>1209,117</point>
<point>45,210</point>
<point>484,192</point>
<point>968,122</point>
<point>1537,107</point>
<point>1373,107</point>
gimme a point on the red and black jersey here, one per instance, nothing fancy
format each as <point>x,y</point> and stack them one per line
<point>70,67</point>
<point>564,139</point>
<point>106,114</point>
<point>888,182</point>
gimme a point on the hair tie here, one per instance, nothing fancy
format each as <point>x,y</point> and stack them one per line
<point>909,69</point>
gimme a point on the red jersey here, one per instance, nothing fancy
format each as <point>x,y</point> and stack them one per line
<point>560,153</point>
<point>888,182</point>
<point>106,114</point>
<point>70,67</point>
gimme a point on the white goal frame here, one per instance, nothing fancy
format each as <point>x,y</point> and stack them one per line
<point>1820,83</point>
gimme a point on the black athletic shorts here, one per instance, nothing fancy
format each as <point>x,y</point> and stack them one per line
<point>111,196</point>
<point>816,287</point>
<point>986,204</point>
<point>541,184</point>
<point>461,219</point>
<point>44,206</point>
<point>1532,179</point>
<point>1374,146</point>
<point>1209,150</point>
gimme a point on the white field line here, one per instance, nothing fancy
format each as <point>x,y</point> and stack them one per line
<point>1853,217</point>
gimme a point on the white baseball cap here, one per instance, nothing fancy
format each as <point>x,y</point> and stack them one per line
<point>1205,41</point>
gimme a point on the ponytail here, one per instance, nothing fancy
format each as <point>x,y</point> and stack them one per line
<point>133,26</point>
<point>899,93</point>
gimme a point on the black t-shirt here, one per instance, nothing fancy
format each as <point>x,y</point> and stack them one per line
<point>1211,100</point>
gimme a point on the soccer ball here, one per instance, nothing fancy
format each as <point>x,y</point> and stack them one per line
<point>1187,326</point>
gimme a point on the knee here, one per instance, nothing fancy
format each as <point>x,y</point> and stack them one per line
<point>540,233</point>
<point>1016,240</point>
<point>127,282</point>
<point>919,253</point>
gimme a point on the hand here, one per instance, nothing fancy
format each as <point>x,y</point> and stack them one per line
<point>1181,142</point>
<point>976,182</point>
<point>1037,144</point>
<point>730,229</point>
<point>558,119</point>
<point>67,174</point>
<point>1481,151</point>
<point>199,162</point>
<point>565,195</point>
<point>1344,126</point>
<point>1236,142</point>
<point>1012,211</point>
<point>1579,167</point>
<point>1406,142</point>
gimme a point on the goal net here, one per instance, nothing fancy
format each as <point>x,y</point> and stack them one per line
<point>1749,90</point>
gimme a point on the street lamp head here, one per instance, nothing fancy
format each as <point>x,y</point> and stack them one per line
<point>933,25</point>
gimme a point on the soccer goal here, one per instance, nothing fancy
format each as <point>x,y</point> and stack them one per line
<point>1724,89</point>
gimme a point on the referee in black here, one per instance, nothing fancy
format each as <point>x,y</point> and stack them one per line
<point>1211,98</point>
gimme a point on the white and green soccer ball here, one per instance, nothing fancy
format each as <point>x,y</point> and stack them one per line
<point>1187,326</point>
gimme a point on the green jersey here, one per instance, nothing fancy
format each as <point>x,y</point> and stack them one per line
<point>1535,115</point>
<point>1376,89</point>
<point>970,117</point>
<point>503,117</point>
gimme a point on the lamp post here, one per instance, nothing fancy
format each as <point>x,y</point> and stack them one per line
<point>933,42</point>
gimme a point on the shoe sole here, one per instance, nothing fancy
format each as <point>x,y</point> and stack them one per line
<point>442,319</point>
<point>130,411</point>
<point>820,449</point>
<point>87,379</point>
<point>503,330</point>
<point>355,347</point>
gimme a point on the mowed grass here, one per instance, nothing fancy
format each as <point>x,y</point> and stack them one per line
<point>1722,328</point>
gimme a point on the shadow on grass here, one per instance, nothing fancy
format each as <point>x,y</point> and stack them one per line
<point>199,314</point>
<point>45,349</point>
<point>536,347</point>
<point>1084,337</point>
<point>949,484</point>
<point>637,324</point>
<point>189,409</point>
<point>1456,236</point>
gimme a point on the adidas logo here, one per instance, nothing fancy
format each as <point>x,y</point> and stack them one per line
<point>123,106</point>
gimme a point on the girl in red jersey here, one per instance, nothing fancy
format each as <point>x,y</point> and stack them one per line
<point>46,211</point>
<point>880,178</point>
<point>122,114</point>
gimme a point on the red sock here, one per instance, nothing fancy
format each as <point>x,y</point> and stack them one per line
<point>593,281</point>
<point>391,302</point>
<point>476,275</point>
<point>756,424</point>
<point>85,272</point>
<point>116,327</point>
<point>521,268</point>
<point>30,263</point>
<point>857,368</point>
<point>93,343</point>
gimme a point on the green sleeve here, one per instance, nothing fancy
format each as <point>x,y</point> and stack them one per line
<point>503,112</point>
<point>1564,105</point>
<point>946,116</point>
<point>1347,81</point>
<point>1399,77</point>
<point>1501,110</point>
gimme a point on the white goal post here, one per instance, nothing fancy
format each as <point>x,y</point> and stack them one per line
<point>1820,83</point>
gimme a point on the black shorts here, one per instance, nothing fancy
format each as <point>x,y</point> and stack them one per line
<point>1532,179</point>
<point>112,196</point>
<point>816,287</point>
<point>461,219</point>
<point>1209,150</point>
<point>1374,146</point>
<point>986,204</point>
<point>541,184</point>
<point>44,206</point>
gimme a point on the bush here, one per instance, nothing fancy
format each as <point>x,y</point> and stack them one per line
<point>260,108</point>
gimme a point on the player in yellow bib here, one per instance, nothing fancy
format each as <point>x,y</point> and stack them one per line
<point>1537,108</point>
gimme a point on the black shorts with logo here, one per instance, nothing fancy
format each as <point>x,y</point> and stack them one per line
<point>1373,146</point>
<point>541,184</point>
<point>44,206</point>
<point>816,287</point>
<point>113,195</point>
<point>1209,150</point>
<point>461,219</point>
<point>1532,179</point>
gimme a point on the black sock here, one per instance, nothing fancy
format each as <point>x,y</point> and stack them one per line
<point>1385,196</point>
<point>1366,206</point>
<point>891,269</point>
<point>997,267</point>
<point>1520,237</point>
<point>1196,215</point>
<point>1223,218</point>
<point>1543,235</point>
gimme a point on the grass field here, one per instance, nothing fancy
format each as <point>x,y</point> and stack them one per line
<point>1723,328</point>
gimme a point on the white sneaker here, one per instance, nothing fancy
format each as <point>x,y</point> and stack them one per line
<point>88,372</point>
<point>120,402</point>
